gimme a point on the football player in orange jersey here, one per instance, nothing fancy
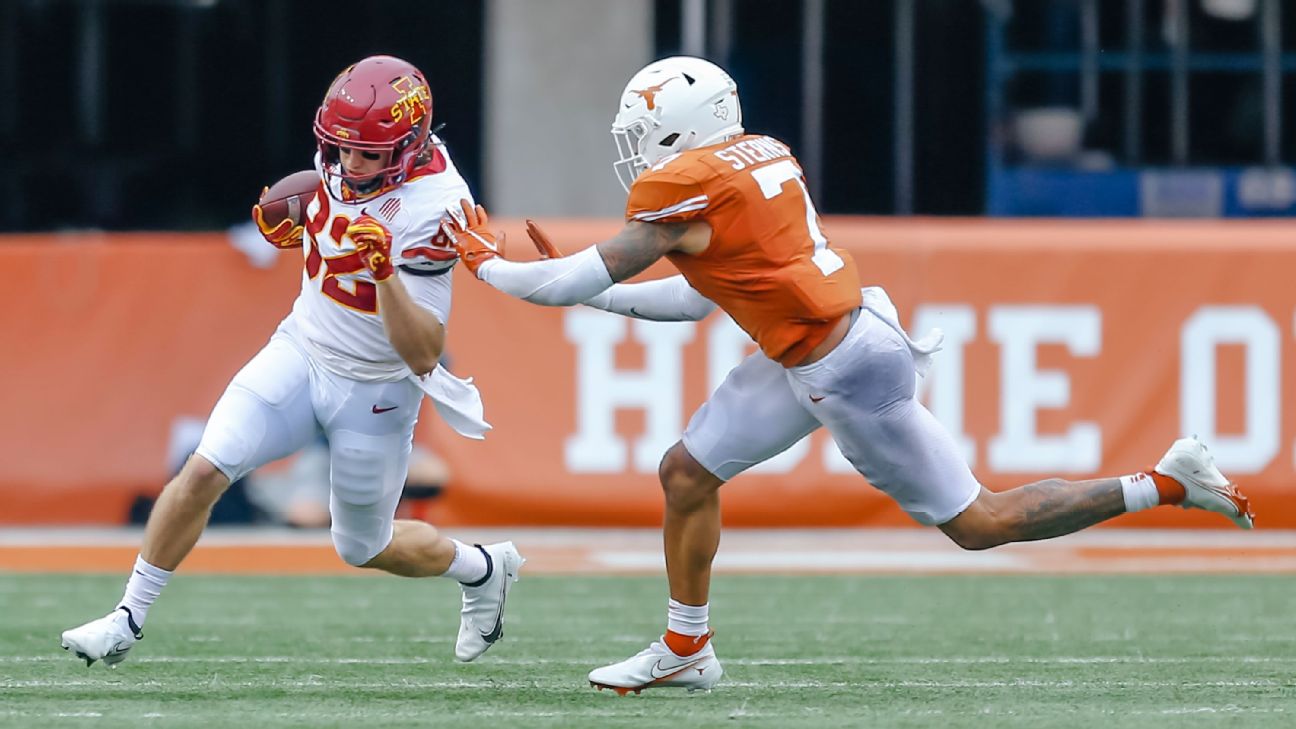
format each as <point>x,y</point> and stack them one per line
<point>732,212</point>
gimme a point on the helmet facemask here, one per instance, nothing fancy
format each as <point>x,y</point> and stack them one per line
<point>630,161</point>
<point>403,156</point>
<point>642,144</point>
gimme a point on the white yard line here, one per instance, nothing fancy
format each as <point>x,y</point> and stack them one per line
<point>744,539</point>
<point>822,661</point>
<point>577,683</point>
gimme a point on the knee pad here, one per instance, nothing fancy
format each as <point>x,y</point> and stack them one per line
<point>368,473</point>
<point>355,552</point>
<point>364,468</point>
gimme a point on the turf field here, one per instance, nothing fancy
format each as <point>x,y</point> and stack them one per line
<point>814,651</point>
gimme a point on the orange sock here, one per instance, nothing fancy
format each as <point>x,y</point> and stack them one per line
<point>685,645</point>
<point>1170,490</point>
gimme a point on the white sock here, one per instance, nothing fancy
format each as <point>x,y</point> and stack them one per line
<point>143,587</point>
<point>469,564</point>
<point>687,619</point>
<point>1140,492</point>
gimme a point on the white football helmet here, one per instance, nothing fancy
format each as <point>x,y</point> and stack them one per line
<point>672,105</point>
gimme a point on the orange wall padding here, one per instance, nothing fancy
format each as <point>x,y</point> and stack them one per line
<point>1086,328</point>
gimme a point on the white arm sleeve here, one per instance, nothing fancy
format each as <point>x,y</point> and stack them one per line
<point>555,282</point>
<point>667,299</point>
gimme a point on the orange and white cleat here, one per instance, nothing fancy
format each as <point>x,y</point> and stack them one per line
<point>1189,463</point>
<point>657,666</point>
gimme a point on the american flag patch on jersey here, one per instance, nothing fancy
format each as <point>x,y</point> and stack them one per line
<point>390,208</point>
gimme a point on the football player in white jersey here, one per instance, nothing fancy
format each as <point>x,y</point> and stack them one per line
<point>354,357</point>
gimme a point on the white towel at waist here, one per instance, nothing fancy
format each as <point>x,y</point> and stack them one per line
<point>875,300</point>
<point>457,401</point>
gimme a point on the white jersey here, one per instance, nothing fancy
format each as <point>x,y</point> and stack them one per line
<point>336,313</point>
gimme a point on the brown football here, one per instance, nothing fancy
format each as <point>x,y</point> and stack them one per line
<point>287,198</point>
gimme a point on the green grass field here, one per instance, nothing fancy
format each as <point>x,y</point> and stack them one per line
<point>821,651</point>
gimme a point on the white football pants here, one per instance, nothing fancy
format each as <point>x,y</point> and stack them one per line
<point>271,409</point>
<point>863,392</point>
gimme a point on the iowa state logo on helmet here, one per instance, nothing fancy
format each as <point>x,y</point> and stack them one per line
<point>413,100</point>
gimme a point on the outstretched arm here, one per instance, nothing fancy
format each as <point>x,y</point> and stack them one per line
<point>667,299</point>
<point>577,278</point>
<point>639,245</point>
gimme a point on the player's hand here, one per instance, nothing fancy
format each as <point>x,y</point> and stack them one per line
<point>542,243</point>
<point>373,242</point>
<point>466,229</point>
<point>285,235</point>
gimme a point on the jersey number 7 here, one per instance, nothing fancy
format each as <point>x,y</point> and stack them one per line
<point>773,181</point>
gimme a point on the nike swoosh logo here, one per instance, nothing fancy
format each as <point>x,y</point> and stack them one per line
<point>817,399</point>
<point>377,410</point>
<point>498,630</point>
<point>640,315</point>
<point>658,671</point>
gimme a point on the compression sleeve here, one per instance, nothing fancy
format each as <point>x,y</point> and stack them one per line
<point>667,299</point>
<point>554,282</point>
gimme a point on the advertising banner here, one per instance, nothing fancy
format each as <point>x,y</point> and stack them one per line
<point>1072,348</point>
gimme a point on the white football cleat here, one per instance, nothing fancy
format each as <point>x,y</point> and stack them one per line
<point>481,622</point>
<point>109,638</point>
<point>657,666</point>
<point>1189,463</point>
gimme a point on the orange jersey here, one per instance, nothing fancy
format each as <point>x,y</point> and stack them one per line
<point>769,265</point>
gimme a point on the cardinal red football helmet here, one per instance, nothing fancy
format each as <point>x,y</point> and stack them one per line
<point>379,104</point>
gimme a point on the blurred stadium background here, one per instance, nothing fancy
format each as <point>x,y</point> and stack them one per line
<point>1091,197</point>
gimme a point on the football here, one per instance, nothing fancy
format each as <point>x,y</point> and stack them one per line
<point>287,198</point>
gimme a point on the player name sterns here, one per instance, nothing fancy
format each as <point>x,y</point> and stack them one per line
<point>753,151</point>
